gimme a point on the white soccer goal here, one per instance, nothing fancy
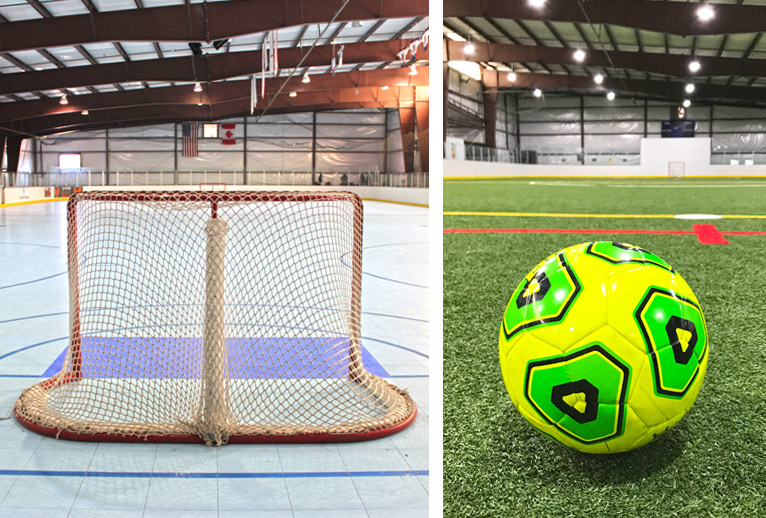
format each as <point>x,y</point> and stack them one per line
<point>676,169</point>
<point>215,317</point>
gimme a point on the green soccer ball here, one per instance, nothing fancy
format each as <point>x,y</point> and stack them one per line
<point>603,347</point>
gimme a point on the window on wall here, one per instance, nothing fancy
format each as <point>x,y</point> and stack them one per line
<point>70,161</point>
<point>210,131</point>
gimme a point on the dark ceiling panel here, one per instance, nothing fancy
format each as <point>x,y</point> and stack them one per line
<point>670,64</point>
<point>673,91</point>
<point>211,67</point>
<point>344,87</point>
<point>194,22</point>
<point>668,17</point>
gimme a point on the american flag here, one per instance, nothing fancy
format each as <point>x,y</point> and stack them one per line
<point>190,132</point>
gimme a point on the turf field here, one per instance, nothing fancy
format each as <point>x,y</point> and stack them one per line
<point>714,462</point>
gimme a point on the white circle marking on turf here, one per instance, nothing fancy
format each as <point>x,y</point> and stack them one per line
<point>698,216</point>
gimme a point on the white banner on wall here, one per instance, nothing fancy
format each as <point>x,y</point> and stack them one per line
<point>454,149</point>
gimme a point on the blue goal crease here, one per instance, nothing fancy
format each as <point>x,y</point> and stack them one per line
<point>254,358</point>
<point>209,475</point>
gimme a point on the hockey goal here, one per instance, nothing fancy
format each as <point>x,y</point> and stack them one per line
<point>215,317</point>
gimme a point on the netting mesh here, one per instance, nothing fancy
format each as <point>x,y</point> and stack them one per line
<point>215,316</point>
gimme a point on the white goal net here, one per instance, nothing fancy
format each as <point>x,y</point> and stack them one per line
<point>215,317</point>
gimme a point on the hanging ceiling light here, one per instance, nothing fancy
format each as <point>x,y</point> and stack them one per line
<point>610,96</point>
<point>85,112</point>
<point>579,55</point>
<point>413,70</point>
<point>537,3</point>
<point>63,100</point>
<point>687,103</point>
<point>689,88</point>
<point>537,92</point>
<point>469,48</point>
<point>598,79</point>
<point>293,94</point>
<point>694,65</point>
<point>384,87</point>
<point>197,87</point>
<point>512,76</point>
<point>705,13</point>
<point>306,78</point>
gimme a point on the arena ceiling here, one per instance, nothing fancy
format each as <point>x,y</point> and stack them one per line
<point>640,48</point>
<point>129,62</point>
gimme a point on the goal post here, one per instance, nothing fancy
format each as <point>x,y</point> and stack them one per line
<point>215,317</point>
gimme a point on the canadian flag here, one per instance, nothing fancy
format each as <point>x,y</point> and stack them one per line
<point>228,135</point>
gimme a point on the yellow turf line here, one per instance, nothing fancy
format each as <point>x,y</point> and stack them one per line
<point>31,201</point>
<point>567,215</point>
<point>570,177</point>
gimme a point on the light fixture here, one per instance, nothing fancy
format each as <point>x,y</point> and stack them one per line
<point>610,96</point>
<point>413,70</point>
<point>306,78</point>
<point>85,112</point>
<point>63,100</point>
<point>469,48</point>
<point>694,66</point>
<point>705,13</point>
<point>293,94</point>
<point>196,48</point>
<point>537,3</point>
<point>537,92</point>
<point>384,87</point>
<point>598,79</point>
<point>199,104</point>
<point>217,44</point>
<point>687,103</point>
<point>579,55</point>
<point>197,87</point>
<point>689,88</point>
<point>512,76</point>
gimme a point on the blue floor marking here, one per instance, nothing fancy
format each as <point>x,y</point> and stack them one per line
<point>146,474</point>
<point>33,281</point>
<point>255,358</point>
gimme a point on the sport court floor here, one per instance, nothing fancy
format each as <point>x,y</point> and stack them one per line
<point>43,477</point>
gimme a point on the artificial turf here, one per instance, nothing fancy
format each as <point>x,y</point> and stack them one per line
<point>713,463</point>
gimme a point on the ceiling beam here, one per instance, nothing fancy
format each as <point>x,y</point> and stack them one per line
<point>175,114</point>
<point>366,83</point>
<point>668,64</point>
<point>237,106</point>
<point>207,22</point>
<point>211,67</point>
<point>672,91</point>
<point>669,17</point>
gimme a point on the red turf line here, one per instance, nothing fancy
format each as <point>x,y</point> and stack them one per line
<point>560,231</point>
<point>709,235</point>
<point>743,233</point>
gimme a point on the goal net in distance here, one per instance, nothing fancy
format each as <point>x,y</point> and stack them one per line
<point>676,169</point>
<point>215,317</point>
